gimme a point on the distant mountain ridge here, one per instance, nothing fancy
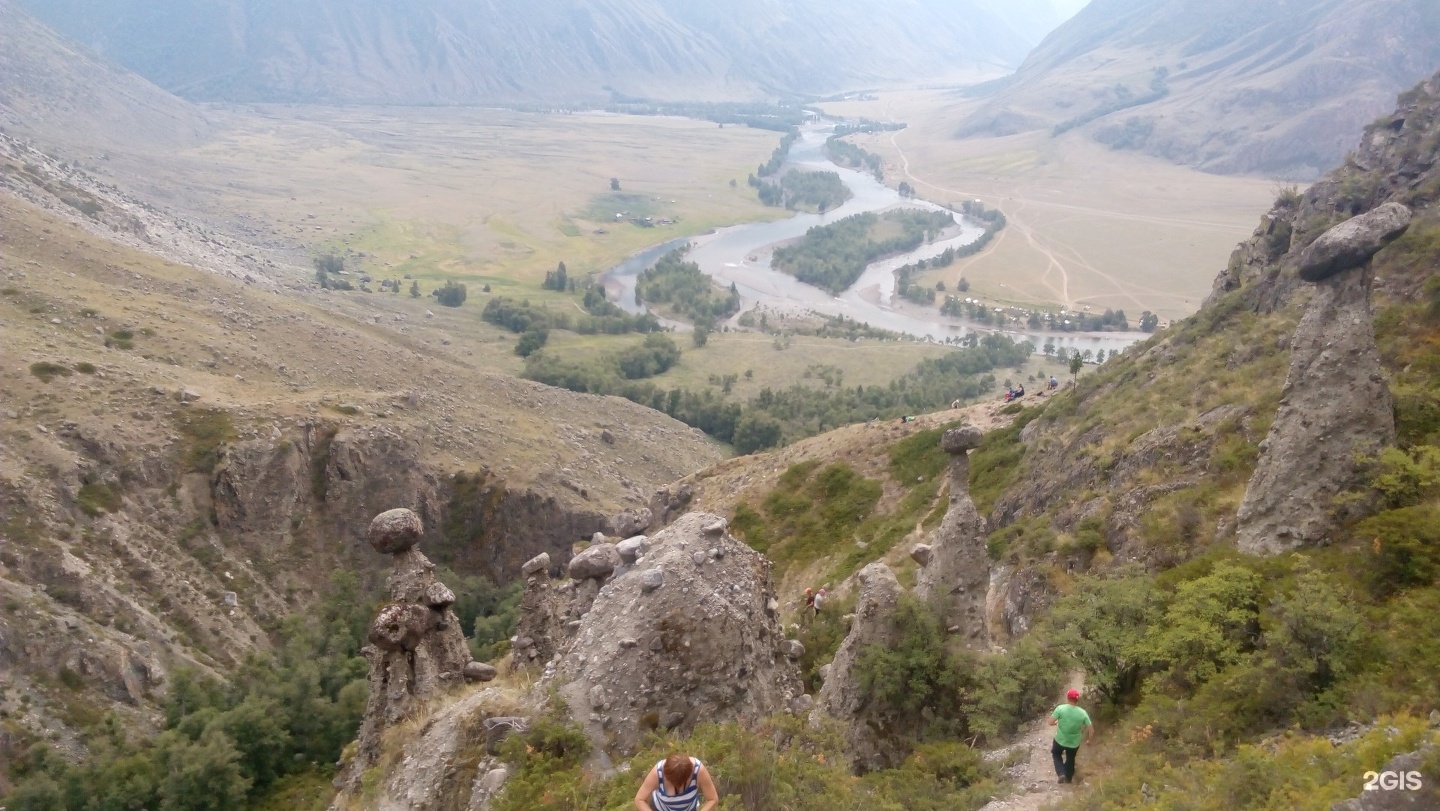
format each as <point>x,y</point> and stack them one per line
<point>52,88</point>
<point>522,51</point>
<point>1229,86</point>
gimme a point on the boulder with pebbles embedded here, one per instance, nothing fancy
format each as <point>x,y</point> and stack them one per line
<point>673,642</point>
<point>956,574</point>
<point>841,696</point>
<point>597,562</point>
<point>416,647</point>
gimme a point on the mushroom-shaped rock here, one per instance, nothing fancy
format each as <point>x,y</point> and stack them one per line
<point>960,440</point>
<point>395,531</point>
<point>539,563</point>
<point>400,626</point>
<point>599,562</point>
<point>1351,243</point>
<point>439,596</point>
<point>922,553</point>
<point>632,548</point>
<point>479,671</point>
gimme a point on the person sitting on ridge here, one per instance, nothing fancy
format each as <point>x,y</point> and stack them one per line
<point>676,784</point>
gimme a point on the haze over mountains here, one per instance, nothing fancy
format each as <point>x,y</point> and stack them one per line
<point>49,85</point>
<point>1225,85</point>
<point>524,51</point>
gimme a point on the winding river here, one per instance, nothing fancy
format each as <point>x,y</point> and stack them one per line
<point>740,254</point>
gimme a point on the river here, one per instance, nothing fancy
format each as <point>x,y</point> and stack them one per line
<point>740,254</point>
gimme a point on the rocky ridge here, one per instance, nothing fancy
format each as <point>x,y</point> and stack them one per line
<point>687,632</point>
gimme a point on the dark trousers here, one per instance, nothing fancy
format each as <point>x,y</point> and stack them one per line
<point>1064,760</point>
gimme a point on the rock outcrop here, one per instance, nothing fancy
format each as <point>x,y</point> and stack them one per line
<point>840,697</point>
<point>958,572</point>
<point>1351,243</point>
<point>417,649</point>
<point>1336,403</point>
<point>688,634</point>
<point>1417,790</point>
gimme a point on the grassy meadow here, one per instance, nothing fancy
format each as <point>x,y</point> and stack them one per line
<point>469,194</point>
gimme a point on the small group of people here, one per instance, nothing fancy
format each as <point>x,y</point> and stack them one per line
<point>1015,393</point>
<point>682,783</point>
<point>813,600</point>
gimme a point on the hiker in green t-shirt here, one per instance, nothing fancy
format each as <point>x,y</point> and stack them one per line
<point>1070,724</point>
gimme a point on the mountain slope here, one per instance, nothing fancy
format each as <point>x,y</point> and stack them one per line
<point>1229,86</point>
<point>455,51</point>
<point>52,88</point>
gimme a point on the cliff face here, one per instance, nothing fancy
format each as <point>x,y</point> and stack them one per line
<point>188,457</point>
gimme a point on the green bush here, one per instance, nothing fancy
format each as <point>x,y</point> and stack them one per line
<point>913,686</point>
<point>96,497</point>
<point>1404,547</point>
<point>48,371</point>
<point>452,294</point>
<point>531,341</point>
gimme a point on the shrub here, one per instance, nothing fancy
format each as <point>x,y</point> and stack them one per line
<point>120,339</point>
<point>85,368</point>
<point>208,431</point>
<point>95,498</point>
<point>913,684</point>
<point>531,342</point>
<point>452,294</point>
<point>48,371</point>
<point>1404,547</point>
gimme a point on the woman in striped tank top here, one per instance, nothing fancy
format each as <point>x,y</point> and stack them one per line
<point>676,784</point>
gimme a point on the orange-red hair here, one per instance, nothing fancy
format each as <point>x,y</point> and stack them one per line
<point>677,770</point>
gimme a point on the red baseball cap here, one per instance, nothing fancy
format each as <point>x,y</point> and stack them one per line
<point>1073,694</point>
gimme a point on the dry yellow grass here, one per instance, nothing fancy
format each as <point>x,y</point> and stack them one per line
<point>1088,225</point>
<point>465,193</point>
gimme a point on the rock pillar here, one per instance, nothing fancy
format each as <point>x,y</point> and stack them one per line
<point>1336,404</point>
<point>957,574</point>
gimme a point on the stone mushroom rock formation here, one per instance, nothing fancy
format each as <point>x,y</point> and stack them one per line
<point>417,648</point>
<point>958,570</point>
<point>700,641</point>
<point>1351,243</point>
<point>1335,406</point>
<point>840,697</point>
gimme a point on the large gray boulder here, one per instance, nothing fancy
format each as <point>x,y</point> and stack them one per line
<point>597,562</point>
<point>703,647</point>
<point>1351,243</point>
<point>395,531</point>
<point>1419,793</point>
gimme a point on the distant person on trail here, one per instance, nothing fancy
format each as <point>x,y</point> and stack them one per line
<point>1070,724</point>
<point>809,603</point>
<point>819,598</point>
<point>1054,384</point>
<point>676,784</point>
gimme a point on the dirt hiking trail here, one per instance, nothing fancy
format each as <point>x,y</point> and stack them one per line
<point>1033,779</point>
